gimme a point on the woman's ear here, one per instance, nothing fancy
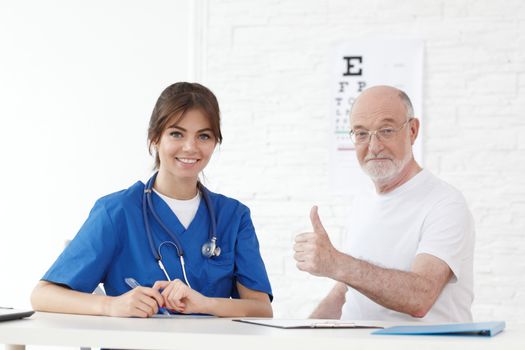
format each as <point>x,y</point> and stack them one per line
<point>153,148</point>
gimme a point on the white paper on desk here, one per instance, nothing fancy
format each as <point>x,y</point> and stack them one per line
<point>308,323</point>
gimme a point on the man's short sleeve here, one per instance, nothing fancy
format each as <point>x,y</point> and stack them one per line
<point>448,233</point>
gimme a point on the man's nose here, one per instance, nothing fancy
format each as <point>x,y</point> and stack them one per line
<point>375,144</point>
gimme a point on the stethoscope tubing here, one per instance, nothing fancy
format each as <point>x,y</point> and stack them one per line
<point>147,206</point>
<point>178,246</point>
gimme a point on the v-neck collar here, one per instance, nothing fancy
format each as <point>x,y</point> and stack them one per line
<point>171,220</point>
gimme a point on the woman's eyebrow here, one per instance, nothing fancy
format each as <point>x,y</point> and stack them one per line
<point>182,129</point>
<point>175,126</point>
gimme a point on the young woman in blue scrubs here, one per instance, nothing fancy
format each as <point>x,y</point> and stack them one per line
<point>114,248</point>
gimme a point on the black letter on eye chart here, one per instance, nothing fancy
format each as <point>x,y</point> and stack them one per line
<point>350,60</point>
<point>342,86</point>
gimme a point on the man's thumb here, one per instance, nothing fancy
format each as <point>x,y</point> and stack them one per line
<point>316,221</point>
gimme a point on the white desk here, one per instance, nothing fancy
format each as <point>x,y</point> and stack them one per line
<point>218,334</point>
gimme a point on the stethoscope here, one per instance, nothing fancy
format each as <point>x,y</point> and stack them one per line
<point>209,249</point>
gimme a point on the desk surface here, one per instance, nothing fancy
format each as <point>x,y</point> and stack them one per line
<point>222,333</point>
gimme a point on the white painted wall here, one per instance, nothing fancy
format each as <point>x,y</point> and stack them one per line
<point>78,82</point>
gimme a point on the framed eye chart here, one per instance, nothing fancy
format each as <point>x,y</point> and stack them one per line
<point>357,65</point>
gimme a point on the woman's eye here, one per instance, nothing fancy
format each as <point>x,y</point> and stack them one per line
<point>176,134</point>
<point>204,137</point>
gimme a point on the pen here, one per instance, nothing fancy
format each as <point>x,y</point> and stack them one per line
<point>132,283</point>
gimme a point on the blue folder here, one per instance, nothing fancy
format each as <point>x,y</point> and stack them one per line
<point>487,329</point>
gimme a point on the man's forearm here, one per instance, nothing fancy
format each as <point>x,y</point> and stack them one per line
<point>402,291</point>
<point>331,306</point>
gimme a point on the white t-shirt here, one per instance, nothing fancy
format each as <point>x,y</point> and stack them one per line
<point>424,215</point>
<point>185,210</point>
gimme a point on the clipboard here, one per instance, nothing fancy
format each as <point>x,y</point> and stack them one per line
<point>485,329</point>
<point>303,323</point>
<point>9,314</point>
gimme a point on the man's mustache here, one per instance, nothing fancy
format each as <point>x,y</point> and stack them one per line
<point>379,155</point>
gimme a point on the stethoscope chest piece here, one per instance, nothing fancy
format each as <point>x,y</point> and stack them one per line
<point>210,248</point>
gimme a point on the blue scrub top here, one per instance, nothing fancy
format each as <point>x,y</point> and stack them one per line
<point>112,245</point>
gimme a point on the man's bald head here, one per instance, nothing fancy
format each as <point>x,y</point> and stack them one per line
<point>383,95</point>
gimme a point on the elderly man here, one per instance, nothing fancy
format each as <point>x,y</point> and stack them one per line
<point>409,252</point>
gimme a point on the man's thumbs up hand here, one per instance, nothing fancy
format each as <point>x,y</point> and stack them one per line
<point>316,221</point>
<point>314,252</point>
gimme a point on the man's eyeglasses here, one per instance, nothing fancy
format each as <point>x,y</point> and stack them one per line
<point>361,137</point>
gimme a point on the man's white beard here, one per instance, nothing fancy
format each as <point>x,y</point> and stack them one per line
<point>385,170</point>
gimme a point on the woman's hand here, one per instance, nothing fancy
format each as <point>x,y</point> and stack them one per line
<point>181,298</point>
<point>138,302</point>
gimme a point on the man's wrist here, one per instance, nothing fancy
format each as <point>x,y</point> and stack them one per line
<point>341,266</point>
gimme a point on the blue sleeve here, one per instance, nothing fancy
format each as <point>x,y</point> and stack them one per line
<point>84,262</point>
<point>249,266</point>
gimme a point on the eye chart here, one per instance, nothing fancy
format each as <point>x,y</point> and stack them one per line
<point>357,65</point>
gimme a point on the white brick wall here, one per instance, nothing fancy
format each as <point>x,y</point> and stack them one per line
<point>268,63</point>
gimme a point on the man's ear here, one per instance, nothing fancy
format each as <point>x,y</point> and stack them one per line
<point>414,130</point>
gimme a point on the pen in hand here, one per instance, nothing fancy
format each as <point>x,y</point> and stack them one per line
<point>132,283</point>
